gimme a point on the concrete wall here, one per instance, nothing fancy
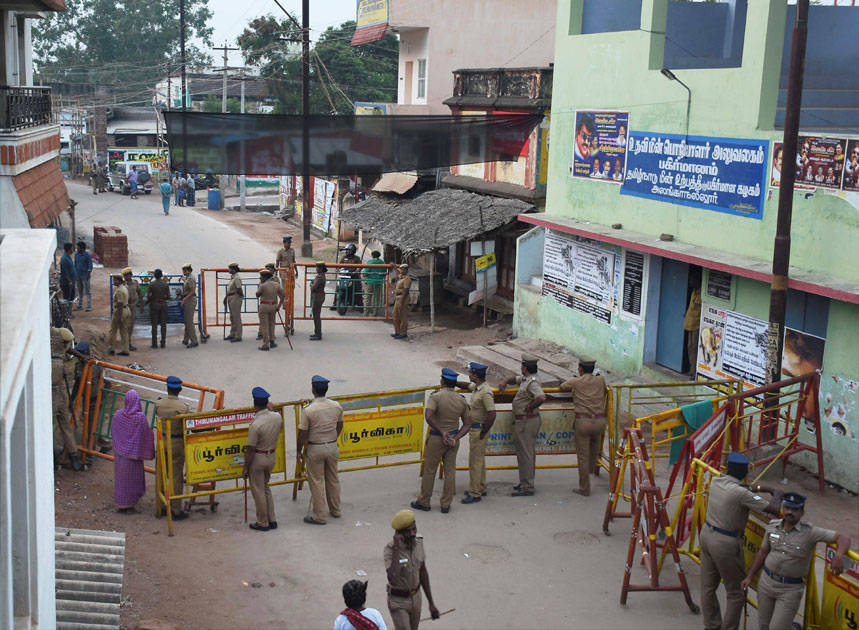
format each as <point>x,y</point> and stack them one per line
<point>831,45</point>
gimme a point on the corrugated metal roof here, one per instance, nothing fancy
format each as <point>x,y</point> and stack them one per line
<point>90,565</point>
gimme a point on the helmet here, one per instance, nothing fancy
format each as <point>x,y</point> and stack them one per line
<point>351,248</point>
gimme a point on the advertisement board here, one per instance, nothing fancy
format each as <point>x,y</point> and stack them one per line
<point>156,158</point>
<point>556,435</point>
<point>379,433</point>
<point>599,150</point>
<point>323,201</point>
<point>220,455</point>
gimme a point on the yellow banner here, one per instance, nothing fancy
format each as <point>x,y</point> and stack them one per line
<point>484,261</point>
<point>372,12</point>
<point>753,538</point>
<point>379,433</point>
<point>219,455</point>
<point>556,435</point>
<point>840,603</point>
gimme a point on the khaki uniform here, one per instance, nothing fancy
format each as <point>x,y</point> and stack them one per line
<point>320,418</point>
<point>285,258</point>
<point>691,323</point>
<point>60,394</point>
<point>590,422</point>
<point>449,407</point>
<point>404,596</point>
<point>167,408</point>
<point>119,321</point>
<point>317,291</point>
<point>526,426</point>
<point>157,296</point>
<point>482,402</point>
<point>722,550</point>
<point>235,297</point>
<point>189,286</point>
<point>269,293</point>
<point>135,297</point>
<point>791,554</point>
<point>401,305</point>
<point>263,434</point>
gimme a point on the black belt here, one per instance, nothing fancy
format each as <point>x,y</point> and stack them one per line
<point>590,416</point>
<point>437,434</point>
<point>265,452</point>
<point>401,592</point>
<point>321,443</point>
<point>783,579</point>
<point>724,532</point>
<point>476,425</point>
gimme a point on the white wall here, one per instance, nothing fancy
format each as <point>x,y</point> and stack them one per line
<point>27,597</point>
<point>414,45</point>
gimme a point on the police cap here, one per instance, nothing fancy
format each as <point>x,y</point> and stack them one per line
<point>737,458</point>
<point>793,500</point>
<point>403,519</point>
<point>126,271</point>
<point>174,382</point>
<point>587,362</point>
<point>478,368</point>
<point>259,392</point>
<point>449,375</point>
<point>319,379</point>
<point>287,239</point>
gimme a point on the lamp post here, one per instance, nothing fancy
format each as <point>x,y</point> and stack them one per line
<point>672,77</point>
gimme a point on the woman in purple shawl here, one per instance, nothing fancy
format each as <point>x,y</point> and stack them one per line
<point>133,442</point>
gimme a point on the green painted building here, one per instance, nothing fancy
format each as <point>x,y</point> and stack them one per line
<point>662,189</point>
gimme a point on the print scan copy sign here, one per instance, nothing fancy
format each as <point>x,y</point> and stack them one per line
<point>219,455</point>
<point>722,174</point>
<point>556,434</point>
<point>379,433</point>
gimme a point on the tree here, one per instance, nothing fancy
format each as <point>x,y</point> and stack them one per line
<point>263,46</point>
<point>213,104</point>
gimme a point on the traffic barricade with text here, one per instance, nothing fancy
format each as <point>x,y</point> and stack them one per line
<point>175,310</point>
<point>355,290</point>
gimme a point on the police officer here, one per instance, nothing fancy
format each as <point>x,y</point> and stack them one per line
<point>168,408</point>
<point>444,410</point>
<point>589,393</point>
<point>352,300</point>
<point>156,297</point>
<point>260,456</point>
<point>786,555</point>
<point>405,563</point>
<point>233,300</point>
<point>119,321</point>
<point>270,294</point>
<point>319,428</point>
<point>273,269</point>
<point>285,259</point>
<point>482,419</point>
<point>135,298</point>
<point>526,424</point>
<point>401,303</point>
<point>317,293</point>
<point>60,393</point>
<point>189,304</point>
<point>722,555</point>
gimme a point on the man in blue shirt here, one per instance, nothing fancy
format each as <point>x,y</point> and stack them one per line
<point>166,191</point>
<point>132,182</point>
<point>83,270</point>
<point>67,273</point>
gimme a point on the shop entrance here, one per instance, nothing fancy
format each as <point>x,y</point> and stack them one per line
<point>674,294</point>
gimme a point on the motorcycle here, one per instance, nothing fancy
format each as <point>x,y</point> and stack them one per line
<point>345,295</point>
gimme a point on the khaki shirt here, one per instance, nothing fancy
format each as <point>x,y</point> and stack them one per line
<point>320,419</point>
<point>285,258</point>
<point>264,430</point>
<point>120,297</point>
<point>403,286</point>
<point>449,407</point>
<point>482,402</point>
<point>190,285</point>
<point>169,407</point>
<point>270,292</point>
<point>529,390</point>
<point>135,295</point>
<point>317,289</point>
<point>158,290</point>
<point>693,313</point>
<point>730,502</point>
<point>411,561</point>
<point>57,368</point>
<point>588,394</point>
<point>791,552</point>
<point>234,289</point>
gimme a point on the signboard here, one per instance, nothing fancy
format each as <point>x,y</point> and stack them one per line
<point>599,150</point>
<point>722,174</point>
<point>839,603</point>
<point>753,538</point>
<point>323,202</point>
<point>556,435</point>
<point>156,158</point>
<point>372,21</point>
<point>219,455</point>
<point>211,422</point>
<point>487,279</point>
<point>579,276</point>
<point>372,109</point>
<point>711,430</point>
<point>379,433</point>
<point>719,284</point>
<point>633,282</point>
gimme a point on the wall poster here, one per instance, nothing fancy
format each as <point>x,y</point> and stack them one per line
<point>634,266</point>
<point>599,150</point>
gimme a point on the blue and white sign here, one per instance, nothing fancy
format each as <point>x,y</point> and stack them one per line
<point>721,174</point>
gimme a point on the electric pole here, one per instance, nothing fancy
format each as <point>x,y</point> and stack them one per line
<point>226,50</point>
<point>244,181</point>
<point>306,245</point>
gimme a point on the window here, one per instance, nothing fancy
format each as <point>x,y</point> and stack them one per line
<point>422,78</point>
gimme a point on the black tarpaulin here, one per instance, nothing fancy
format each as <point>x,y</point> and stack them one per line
<point>268,144</point>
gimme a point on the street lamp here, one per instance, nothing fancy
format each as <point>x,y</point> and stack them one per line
<point>672,77</point>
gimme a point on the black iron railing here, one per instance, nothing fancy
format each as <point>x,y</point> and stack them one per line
<point>23,107</point>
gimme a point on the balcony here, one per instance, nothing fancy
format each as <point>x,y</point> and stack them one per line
<point>502,88</point>
<point>24,107</point>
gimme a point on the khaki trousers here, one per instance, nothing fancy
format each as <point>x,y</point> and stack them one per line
<point>525,432</point>
<point>587,435</point>
<point>777,603</point>
<point>405,611</point>
<point>476,463</point>
<point>119,324</point>
<point>434,453</point>
<point>316,310</point>
<point>267,313</point>
<point>235,305</point>
<point>177,446</point>
<point>373,300</point>
<point>323,480</point>
<point>132,317</point>
<point>401,315</point>
<point>63,417</point>
<point>190,333</point>
<point>259,474</point>
<point>721,559</point>
<point>158,317</point>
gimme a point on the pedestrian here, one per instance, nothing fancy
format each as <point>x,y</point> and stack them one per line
<point>233,300</point>
<point>270,294</point>
<point>405,562</point>
<point>189,305</point>
<point>166,193</point>
<point>183,190</point>
<point>401,303</point>
<point>60,394</point>
<point>263,434</point>
<point>83,272</point>
<point>156,297</point>
<point>786,554</point>
<point>134,443</point>
<point>93,177</point>
<point>102,178</point>
<point>589,398</point>
<point>526,423</point>
<point>272,267</point>
<point>722,556</point>
<point>317,293</point>
<point>482,419</point>
<point>285,260</point>
<point>444,410</point>
<point>319,429</point>
<point>68,275</point>
<point>192,187</point>
<point>175,185</point>
<point>132,182</point>
<point>135,302</point>
<point>355,616</point>
<point>167,408</point>
<point>374,285</point>
<point>119,320</point>
<point>692,320</point>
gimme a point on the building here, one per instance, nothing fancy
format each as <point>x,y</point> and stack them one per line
<point>204,86</point>
<point>688,198</point>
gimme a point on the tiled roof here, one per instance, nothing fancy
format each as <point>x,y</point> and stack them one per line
<point>43,193</point>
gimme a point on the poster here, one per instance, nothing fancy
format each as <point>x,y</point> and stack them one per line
<point>820,162</point>
<point>323,201</point>
<point>579,276</point>
<point>719,284</point>
<point>633,282</point>
<point>722,174</point>
<point>851,166</point>
<point>711,335</point>
<point>745,348</point>
<point>839,402</point>
<point>487,280</point>
<point>156,158</point>
<point>219,455</point>
<point>599,150</point>
<point>379,433</point>
<point>556,434</point>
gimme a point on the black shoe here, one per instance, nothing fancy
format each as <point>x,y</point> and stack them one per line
<point>111,352</point>
<point>522,493</point>
<point>76,463</point>
<point>181,516</point>
<point>228,338</point>
<point>517,487</point>
<point>162,343</point>
<point>272,345</point>
<point>263,348</point>
<point>401,337</point>
<point>122,354</point>
<point>418,506</point>
<point>184,343</point>
<point>193,345</point>
<point>394,335</point>
<point>445,510</point>
<point>312,521</point>
<point>271,524</point>
<point>132,348</point>
<point>471,499</point>
<point>234,340</point>
<point>153,345</point>
<point>258,527</point>
<point>315,337</point>
<point>259,336</point>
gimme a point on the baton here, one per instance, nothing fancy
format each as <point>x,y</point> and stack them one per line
<point>440,614</point>
<point>286,330</point>
<point>246,501</point>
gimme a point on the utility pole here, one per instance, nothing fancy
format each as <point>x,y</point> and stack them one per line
<point>243,193</point>
<point>182,61</point>
<point>306,245</point>
<point>781,247</point>
<point>226,50</point>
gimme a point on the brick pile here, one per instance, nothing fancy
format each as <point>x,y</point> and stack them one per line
<point>111,246</point>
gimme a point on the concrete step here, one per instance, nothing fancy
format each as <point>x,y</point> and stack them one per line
<point>566,360</point>
<point>501,364</point>
<point>544,366</point>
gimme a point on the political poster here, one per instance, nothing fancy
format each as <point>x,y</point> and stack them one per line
<point>379,433</point>
<point>599,150</point>
<point>711,335</point>
<point>220,455</point>
<point>323,202</point>
<point>820,162</point>
<point>851,167</point>
<point>722,174</point>
<point>745,348</point>
<point>556,435</point>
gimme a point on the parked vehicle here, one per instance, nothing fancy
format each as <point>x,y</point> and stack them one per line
<point>117,177</point>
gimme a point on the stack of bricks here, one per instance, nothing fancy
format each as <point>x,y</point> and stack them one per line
<point>111,245</point>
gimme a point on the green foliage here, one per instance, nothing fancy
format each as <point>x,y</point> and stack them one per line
<point>212,104</point>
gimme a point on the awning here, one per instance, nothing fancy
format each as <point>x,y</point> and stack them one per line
<point>399,183</point>
<point>435,219</point>
<point>43,193</point>
<point>745,266</point>
<point>369,34</point>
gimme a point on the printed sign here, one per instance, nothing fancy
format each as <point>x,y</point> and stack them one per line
<point>372,12</point>
<point>599,150</point>
<point>820,162</point>
<point>210,422</point>
<point>711,336</point>
<point>721,174</point>
<point>633,282</point>
<point>710,431</point>
<point>379,433</point>
<point>556,435</point>
<point>484,262</point>
<point>745,348</point>
<point>851,167</point>
<point>719,284</point>
<point>487,278</point>
<point>156,158</point>
<point>219,455</point>
<point>323,201</point>
<point>839,605</point>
